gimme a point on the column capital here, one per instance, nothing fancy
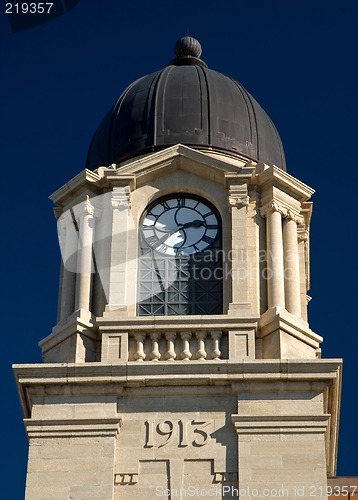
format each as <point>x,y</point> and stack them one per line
<point>271,207</point>
<point>86,208</point>
<point>120,198</point>
<point>295,216</point>
<point>238,201</point>
<point>303,235</point>
<point>238,196</point>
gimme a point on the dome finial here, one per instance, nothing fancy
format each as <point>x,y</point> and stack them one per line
<point>187,51</point>
<point>187,47</point>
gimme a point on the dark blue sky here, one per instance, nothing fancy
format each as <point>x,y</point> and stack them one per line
<point>298,59</point>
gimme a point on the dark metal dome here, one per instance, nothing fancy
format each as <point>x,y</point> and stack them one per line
<point>186,103</point>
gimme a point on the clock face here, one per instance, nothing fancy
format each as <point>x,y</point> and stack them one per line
<point>180,225</point>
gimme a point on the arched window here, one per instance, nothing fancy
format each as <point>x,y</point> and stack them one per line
<point>180,259</point>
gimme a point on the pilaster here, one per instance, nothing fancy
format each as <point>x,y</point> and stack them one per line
<point>238,204</point>
<point>71,458</point>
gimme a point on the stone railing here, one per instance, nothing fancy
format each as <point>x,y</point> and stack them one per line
<point>189,338</point>
<point>171,346</point>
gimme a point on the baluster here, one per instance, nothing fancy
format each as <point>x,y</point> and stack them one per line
<point>139,355</point>
<point>216,353</point>
<point>170,354</point>
<point>201,353</point>
<point>186,354</point>
<point>155,354</point>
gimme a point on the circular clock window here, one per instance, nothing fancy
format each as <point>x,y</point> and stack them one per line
<point>180,225</point>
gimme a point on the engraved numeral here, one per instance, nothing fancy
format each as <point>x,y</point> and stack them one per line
<point>200,430</point>
<point>186,432</point>
<point>183,433</point>
<point>149,434</point>
<point>166,429</point>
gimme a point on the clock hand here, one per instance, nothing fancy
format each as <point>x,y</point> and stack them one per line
<point>194,223</point>
<point>169,231</point>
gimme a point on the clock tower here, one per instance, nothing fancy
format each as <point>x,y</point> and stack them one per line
<point>182,363</point>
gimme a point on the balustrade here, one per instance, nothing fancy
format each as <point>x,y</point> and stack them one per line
<point>172,346</point>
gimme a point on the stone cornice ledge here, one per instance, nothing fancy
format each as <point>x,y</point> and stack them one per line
<point>116,323</point>
<point>88,376</point>
<point>149,373</point>
<point>86,178</point>
<point>84,427</point>
<point>277,177</point>
<point>267,424</point>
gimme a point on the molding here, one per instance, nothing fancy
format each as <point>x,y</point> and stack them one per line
<point>85,179</point>
<point>280,424</point>
<point>183,157</point>
<point>111,322</point>
<point>179,373</point>
<point>66,428</point>
<point>274,176</point>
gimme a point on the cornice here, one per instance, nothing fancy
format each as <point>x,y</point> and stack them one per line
<point>78,184</point>
<point>149,373</point>
<point>274,176</point>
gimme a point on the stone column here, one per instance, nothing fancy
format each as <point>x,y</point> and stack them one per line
<point>85,215</point>
<point>275,265</point>
<point>292,264</point>
<point>69,247</point>
<point>238,202</point>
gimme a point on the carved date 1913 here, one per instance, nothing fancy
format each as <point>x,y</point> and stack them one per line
<point>180,433</point>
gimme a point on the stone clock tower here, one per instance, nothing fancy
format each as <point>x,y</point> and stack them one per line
<point>182,363</point>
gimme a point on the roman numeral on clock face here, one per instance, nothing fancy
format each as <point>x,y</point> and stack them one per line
<point>181,202</point>
<point>165,205</point>
<point>208,239</point>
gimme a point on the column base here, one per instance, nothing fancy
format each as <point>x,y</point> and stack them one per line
<point>75,341</point>
<point>281,335</point>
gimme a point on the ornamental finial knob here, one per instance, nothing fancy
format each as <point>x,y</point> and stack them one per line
<point>187,47</point>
